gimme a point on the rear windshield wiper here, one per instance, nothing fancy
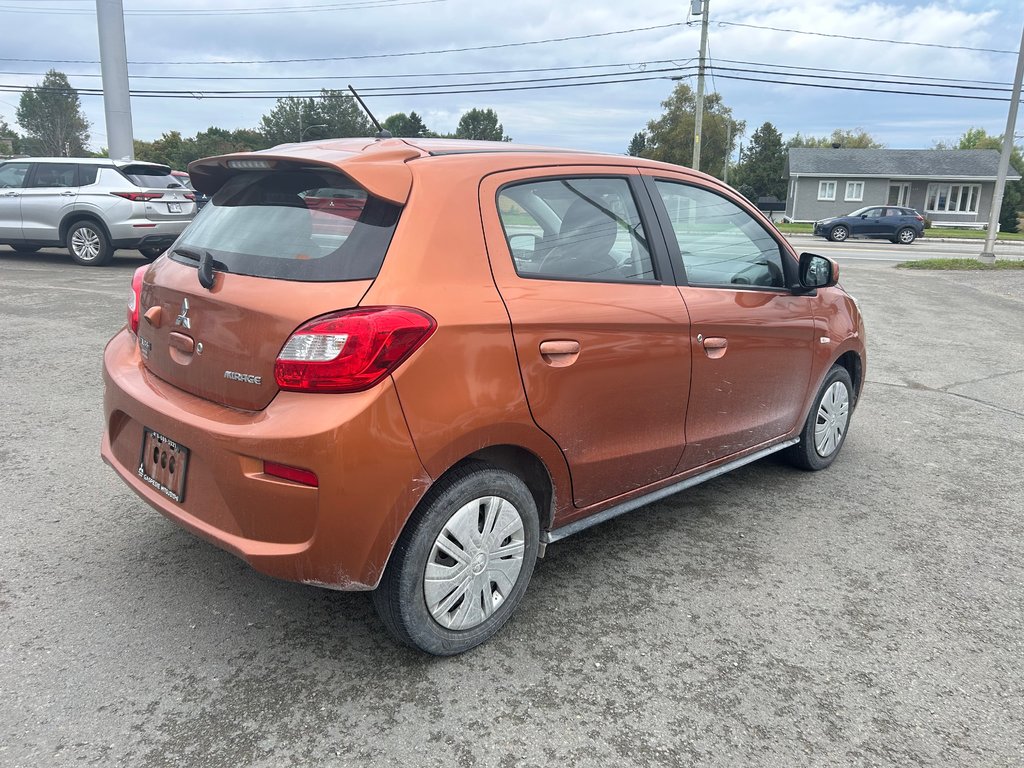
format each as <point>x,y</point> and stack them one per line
<point>206,265</point>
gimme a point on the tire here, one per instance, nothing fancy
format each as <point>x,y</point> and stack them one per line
<point>26,248</point>
<point>827,423</point>
<point>906,236</point>
<point>477,583</point>
<point>838,233</point>
<point>151,252</point>
<point>88,244</point>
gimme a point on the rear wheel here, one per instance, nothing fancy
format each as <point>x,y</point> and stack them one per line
<point>462,563</point>
<point>88,244</point>
<point>151,251</point>
<point>825,429</point>
<point>906,236</point>
<point>839,233</point>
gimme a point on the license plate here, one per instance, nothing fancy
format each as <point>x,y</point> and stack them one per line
<point>174,207</point>
<point>163,464</point>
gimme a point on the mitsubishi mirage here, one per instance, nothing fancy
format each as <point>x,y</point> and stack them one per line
<point>409,366</point>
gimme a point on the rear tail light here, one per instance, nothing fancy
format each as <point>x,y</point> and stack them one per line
<point>137,196</point>
<point>352,350</point>
<point>135,300</point>
<point>296,475</point>
<point>919,218</point>
<point>190,195</point>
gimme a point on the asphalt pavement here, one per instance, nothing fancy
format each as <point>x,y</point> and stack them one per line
<point>867,615</point>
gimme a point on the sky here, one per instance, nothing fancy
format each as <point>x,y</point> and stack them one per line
<point>956,46</point>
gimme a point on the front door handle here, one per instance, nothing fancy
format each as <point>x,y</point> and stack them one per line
<point>67,193</point>
<point>559,353</point>
<point>715,346</point>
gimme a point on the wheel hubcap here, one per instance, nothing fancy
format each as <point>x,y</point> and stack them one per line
<point>475,563</point>
<point>86,244</point>
<point>833,416</point>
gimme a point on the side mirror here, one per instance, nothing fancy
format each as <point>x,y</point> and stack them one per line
<point>817,271</point>
<point>863,215</point>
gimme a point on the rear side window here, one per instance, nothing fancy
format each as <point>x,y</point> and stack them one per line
<point>87,174</point>
<point>13,175</point>
<point>575,229</point>
<point>55,175</point>
<point>315,226</point>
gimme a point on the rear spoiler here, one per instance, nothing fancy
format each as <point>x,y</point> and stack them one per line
<point>380,168</point>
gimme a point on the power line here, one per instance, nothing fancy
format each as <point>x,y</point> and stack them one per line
<point>639,65</point>
<point>863,39</point>
<point>379,55</point>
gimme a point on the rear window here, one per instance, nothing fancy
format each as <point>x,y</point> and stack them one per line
<point>151,176</point>
<point>314,226</point>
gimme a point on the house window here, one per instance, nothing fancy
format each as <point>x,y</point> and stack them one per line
<point>854,191</point>
<point>826,190</point>
<point>953,198</point>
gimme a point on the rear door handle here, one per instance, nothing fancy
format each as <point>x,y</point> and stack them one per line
<point>559,353</point>
<point>67,193</point>
<point>715,346</point>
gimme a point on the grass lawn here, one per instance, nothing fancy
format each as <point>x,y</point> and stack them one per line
<point>972,264</point>
<point>963,234</point>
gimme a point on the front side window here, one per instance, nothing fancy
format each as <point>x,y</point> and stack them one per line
<point>854,191</point>
<point>13,175</point>
<point>575,229</point>
<point>309,225</point>
<point>953,198</point>
<point>720,243</point>
<point>826,190</point>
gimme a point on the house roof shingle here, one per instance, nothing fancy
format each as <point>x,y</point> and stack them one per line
<point>932,163</point>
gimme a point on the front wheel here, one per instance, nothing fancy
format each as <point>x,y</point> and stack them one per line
<point>462,563</point>
<point>825,429</point>
<point>839,234</point>
<point>88,244</point>
<point>906,236</point>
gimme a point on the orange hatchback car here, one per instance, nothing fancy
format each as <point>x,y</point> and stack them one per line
<point>408,366</point>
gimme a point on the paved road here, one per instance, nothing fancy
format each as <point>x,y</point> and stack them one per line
<point>867,615</point>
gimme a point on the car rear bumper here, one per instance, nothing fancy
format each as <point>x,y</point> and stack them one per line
<point>138,233</point>
<point>338,534</point>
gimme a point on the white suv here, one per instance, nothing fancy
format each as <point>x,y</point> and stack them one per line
<point>91,206</point>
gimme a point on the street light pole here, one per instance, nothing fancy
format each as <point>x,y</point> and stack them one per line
<point>989,254</point>
<point>309,128</point>
<point>698,118</point>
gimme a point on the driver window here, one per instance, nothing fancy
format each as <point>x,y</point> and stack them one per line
<point>721,244</point>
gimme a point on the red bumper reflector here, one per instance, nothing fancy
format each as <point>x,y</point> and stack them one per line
<point>294,474</point>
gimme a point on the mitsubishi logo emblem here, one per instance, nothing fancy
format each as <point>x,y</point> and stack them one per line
<point>182,318</point>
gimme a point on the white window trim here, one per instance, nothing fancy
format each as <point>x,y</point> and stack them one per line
<point>974,192</point>
<point>848,197</point>
<point>823,194</point>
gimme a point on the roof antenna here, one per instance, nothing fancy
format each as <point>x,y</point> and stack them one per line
<point>381,133</point>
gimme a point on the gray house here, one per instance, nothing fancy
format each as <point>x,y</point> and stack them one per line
<point>948,186</point>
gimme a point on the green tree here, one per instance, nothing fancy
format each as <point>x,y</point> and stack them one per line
<point>637,144</point>
<point>760,171</point>
<point>670,137</point>
<point>1013,194</point>
<point>857,138</point>
<point>292,118</point>
<point>409,126</point>
<point>8,138</point>
<point>51,115</point>
<point>481,124</point>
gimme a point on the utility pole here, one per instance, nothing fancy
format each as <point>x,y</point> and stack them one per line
<point>698,118</point>
<point>117,105</point>
<point>989,254</point>
<point>728,149</point>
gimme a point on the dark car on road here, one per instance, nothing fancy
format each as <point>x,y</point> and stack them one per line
<point>900,225</point>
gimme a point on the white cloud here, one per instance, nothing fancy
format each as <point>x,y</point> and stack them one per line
<point>597,117</point>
